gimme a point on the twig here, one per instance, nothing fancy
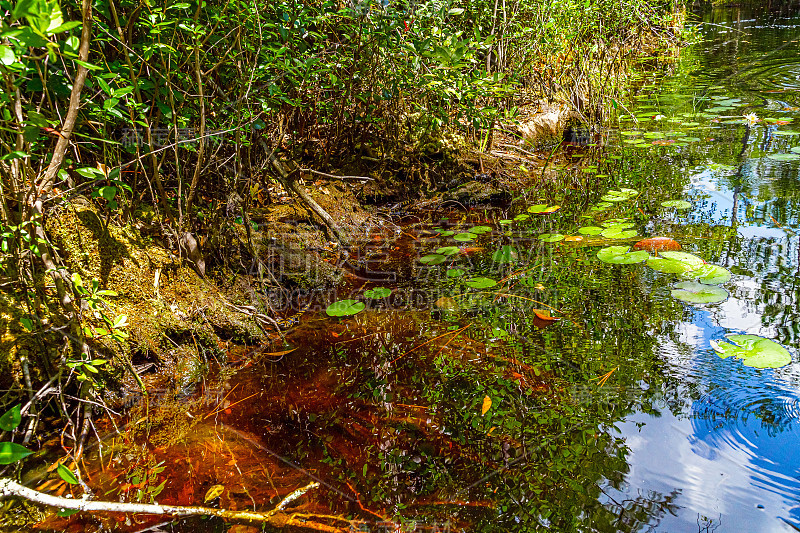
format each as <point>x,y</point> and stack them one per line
<point>334,176</point>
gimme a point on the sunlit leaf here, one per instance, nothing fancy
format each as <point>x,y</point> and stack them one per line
<point>480,283</point>
<point>345,308</point>
<point>698,293</point>
<point>487,404</point>
<point>708,274</point>
<point>677,204</point>
<point>506,254</point>
<point>11,419</point>
<point>620,255</point>
<point>448,250</point>
<point>67,475</point>
<point>11,452</point>
<point>432,259</point>
<point>551,237</point>
<point>377,293</point>
<point>754,351</point>
<point>214,492</point>
<point>590,230</point>
<point>463,237</point>
<point>479,229</point>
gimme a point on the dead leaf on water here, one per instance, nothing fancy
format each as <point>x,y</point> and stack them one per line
<point>487,404</point>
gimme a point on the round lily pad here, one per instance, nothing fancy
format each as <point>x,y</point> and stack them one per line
<point>480,229</point>
<point>784,157</point>
<point>480,283</point>
<point>377,293</point>
<point>448,250</point>
<point>455,273</point>
<point>445,233</point>
<point>619,232</point>
<point>677,204</point>
<point>345,308</point>
<point>506,254</point>
<point>620,255</point>
<point>795,149</point>
<point>698,293</point>
<point>754,351</point>
<point>522,217</point>
<point>543,209</point>
<point>432,259</point>
<point>590,230</point>
<point>630,133</point>
<point>505,222</point>
<point>551,237</point>
<point>708,274</point>
<point>464,237</point>
<point>786,132</point>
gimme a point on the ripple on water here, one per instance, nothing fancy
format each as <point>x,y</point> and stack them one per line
<point>754,425</point>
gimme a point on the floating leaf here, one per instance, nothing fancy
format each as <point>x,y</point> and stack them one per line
<point>377,293</point>
<point>67,475</point>
<point>754,351</point>
<point>11,453</point>
<point>630,133</point>
<point>786,132</point>
<point>214,492</point>
<point>506,254</point>
<point>698,293</point>
<point>479,229</point>
<point>795,149</point>
<point>521,217</point>
<point>620,255</point>
<point>618,232</point>
<point>708,274</point>
<point>445,233</point>
<point>464,237</point>
<point>487,404</point>
<point>432,259</point>
<point>63,513</point>
<point>574,238</point>
<point>448,250</point>
<point>542,318</point>
<point>455,273</point>
<point>505,222</point>
<point>12,418</point>
<point>677,204</point>
<point>590,230</point>
<point>784,157</point>
<point>657,244</point>
<point>617,222</point>
<point>543,209</point>
<point>551,237</point>
<point>620,195</point>
<point>345,308</point>
<point>481,283</point>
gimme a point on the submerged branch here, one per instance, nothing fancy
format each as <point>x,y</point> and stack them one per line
<point>276,517</point>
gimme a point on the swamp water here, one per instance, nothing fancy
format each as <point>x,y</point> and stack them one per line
<point>458,403</point>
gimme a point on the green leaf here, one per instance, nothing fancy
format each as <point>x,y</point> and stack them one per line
<point>377,293</point>
<point>63,513</point>
<point>620,255</point>
<point>506,254</point>
<point>464,237</point>
<point>754,351</point>
<point>698,293</point>
<point>345,308</point>
<point>455,273</point>
<point>590,230</point>
<point>677,204</point>
<point>784,157</point>
<point>27,323</point>
<point>448,250</point>
<point>432,259</point>
<point>12,418</point>
<point>7,55</point>
<point>543,209</point>
<point>480,283</point>
<point>707,274</point>
<point>551,237</point>
<point>11,453</point>
<point>480,229</point>
<point>67,475</point>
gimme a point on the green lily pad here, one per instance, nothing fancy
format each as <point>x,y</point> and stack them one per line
<point>505,222</point>
<point>795,149</point>
<point>445,233</point>
<point>543,209</point>
<point>708,274</point>
<point>653,135</point>
<point>551,237</point>
<point>345,308</point>
<point>690,124</point>
<point>619,232</point>
<point>630,133</point>
<point>677,204</point>
<point>521,217</point>
<point>480,283</point>
<point>620,195</point>
<point>786,132</point>
<point>506,254</point>
<point>754,351</point>
<point>455,273</point>
<point>464,237</point>
<point>432,259</point>
<point>674,262</point>
<point>480,229</point>
<point>448,250</point>
<point>377,293</point>
<point>698,293</point>
<point>620,255</point>
<point>784,157</point>
<point>617,223</point>
<point>590,230</point>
